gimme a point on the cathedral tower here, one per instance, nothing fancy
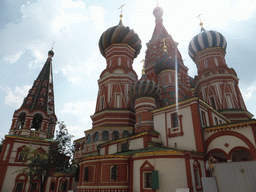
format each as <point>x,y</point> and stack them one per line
<point>216,83</point>
<point>119,45</point>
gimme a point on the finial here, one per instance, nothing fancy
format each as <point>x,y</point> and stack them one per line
<point>52,45</point>
<point>165,48</point>
<point>143,67</point>
<point>201,23</point>
<point>156,3</point>
<point>121,15</point>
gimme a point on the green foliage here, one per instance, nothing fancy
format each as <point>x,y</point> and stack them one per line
<point>41,164</point>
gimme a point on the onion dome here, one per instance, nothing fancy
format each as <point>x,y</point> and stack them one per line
<point>164,63</point>
<point>120,34</point>
<point>158,12</point>
<point>206,39</point>
<point>144,88</point>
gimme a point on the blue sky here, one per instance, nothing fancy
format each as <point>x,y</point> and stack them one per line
<point>28,29</point>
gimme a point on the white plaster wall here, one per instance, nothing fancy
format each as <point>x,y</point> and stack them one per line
<point>187,141</point>
<point>136,144</point>
<point>219,142</point>
<point>159,126</point>
<point>9,180</point>
<point>171,172</point>
<point>112,149</point>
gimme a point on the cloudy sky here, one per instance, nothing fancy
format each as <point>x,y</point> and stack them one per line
<point>28,29</point>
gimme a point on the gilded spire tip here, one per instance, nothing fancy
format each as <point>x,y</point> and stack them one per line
<point>121,14</point>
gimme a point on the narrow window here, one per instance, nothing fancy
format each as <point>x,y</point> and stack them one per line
<point>139,120</point>
<point>113,173</point>
<point>63,186</point>
<point>115,135</point>
<point>102,103</point>
<point>86,173</point>
<point>213,102</point>
<point>147,180</point>
<point>205,64</point>
<point>216,120</point>
<point>203,117</point>
<point>118,101</point>
<point>175,121</point>
<point>105,136</point>
<point>88,139</point>
<point>119,61</point>
<point>96,137</point>
<point>197,177</point>
<point>216,61</point>
<point>229,101</point>
<point>19,187</point>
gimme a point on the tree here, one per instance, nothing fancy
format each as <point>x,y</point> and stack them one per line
<point>41,164</point>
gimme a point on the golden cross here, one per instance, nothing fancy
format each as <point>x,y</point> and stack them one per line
<point>143,68</point>
<point>201,23</point>
<point>165,48</point>
<point>121,8</point>
<point>53,44</point>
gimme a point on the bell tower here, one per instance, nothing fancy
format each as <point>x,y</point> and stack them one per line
<point>36,116</point>
<point>33,126</point>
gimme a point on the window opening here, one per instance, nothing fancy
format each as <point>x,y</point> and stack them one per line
<point>37,122</point>
<point>115,135</point>
<point>96,137</point>
<point>114,173</point>
<point>105,135</point>
<point>86,173</point>
<point>148,180</point>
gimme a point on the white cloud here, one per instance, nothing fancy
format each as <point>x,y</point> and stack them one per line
<point>15,97</point>
<point>82,110</point>
<point>64,21</point>
<point>248,92</point>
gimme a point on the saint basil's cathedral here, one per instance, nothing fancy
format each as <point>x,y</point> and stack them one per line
<point>165,131</point>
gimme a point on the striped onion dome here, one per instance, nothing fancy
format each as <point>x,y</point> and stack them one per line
<point>165,62</point>
<point>120,34</point>
<point>144,88</point>
<point>206,39</point>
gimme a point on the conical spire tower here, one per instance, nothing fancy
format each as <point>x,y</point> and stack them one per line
<point>36,116</point>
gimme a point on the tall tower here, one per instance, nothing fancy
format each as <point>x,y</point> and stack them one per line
<point>160,59</point>
<point>119,45</point>
<point>216,83</point>
<point>33,124</point>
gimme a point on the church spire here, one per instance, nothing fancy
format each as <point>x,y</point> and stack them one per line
<point>36,116</point>
<point>41,95</point>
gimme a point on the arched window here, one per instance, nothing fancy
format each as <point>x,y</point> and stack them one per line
<point>125,133</point>
<point>88,139</point>
<point>63,185</point>
<point>96,137</point>
<point>241,154</point>
<point>20,182</point>
<point>115,135</point>
<point>34,184</point>
<point>113,173</point>
<point>105,136</point>
<point>217,156</point>
<point>21,153</point>
<point>37,122</point>
<point>21,121</point>
<point>139,120</point>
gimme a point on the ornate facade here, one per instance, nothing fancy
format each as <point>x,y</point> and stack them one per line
<point>161,132</point>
